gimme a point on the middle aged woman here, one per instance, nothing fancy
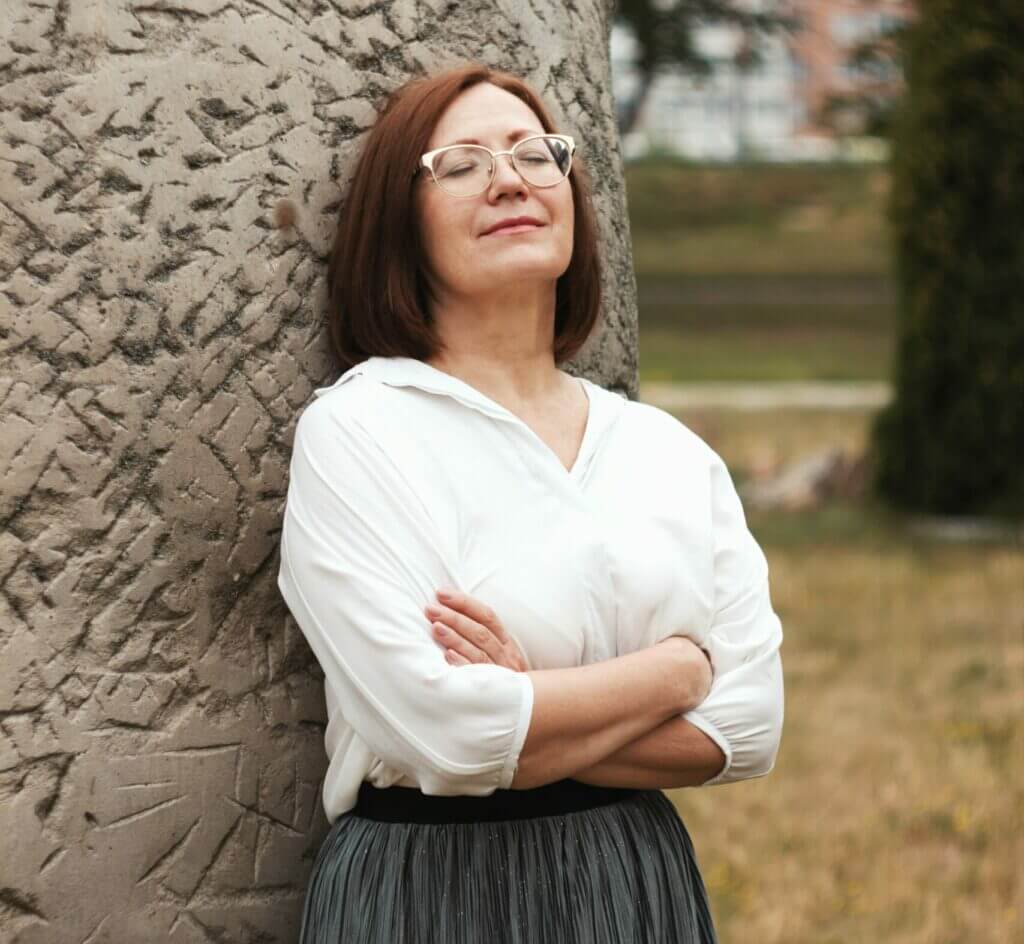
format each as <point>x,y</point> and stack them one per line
<point>536,603</point>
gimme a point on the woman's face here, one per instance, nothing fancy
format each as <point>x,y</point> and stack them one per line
<point>462,258</point>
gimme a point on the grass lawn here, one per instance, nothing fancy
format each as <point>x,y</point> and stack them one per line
<point>761,272</point>
<point>765,342</point>
<point>895,811</point>
<point>704,219</point>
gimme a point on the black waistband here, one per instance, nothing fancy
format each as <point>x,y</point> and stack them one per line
<point>409,805</point>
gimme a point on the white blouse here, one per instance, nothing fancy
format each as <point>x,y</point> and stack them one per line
<point>405,479</point>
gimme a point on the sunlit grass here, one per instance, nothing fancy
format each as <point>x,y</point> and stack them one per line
<point>764,439</point>
<point>895,811</point>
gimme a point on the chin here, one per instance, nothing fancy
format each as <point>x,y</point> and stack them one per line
<point>546,269</point>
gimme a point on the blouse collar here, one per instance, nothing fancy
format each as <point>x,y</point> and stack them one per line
<point>605,405</point>
<point>412,372</point>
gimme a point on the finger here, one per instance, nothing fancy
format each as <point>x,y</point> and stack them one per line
<point>455,658</point>
<point>469,629</point>
<point>456,642</point>
<point>474,609</point>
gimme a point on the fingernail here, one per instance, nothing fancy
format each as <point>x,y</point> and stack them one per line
<point>444,594</point>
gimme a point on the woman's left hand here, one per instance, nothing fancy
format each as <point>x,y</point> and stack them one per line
<point>470,631</point>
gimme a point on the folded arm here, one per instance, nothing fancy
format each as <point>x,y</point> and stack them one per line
<point>359,559</point>
<point>586,713</point>
<point>674,754</point>
<point>735,733</point>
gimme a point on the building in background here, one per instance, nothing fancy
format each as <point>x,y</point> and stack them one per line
<point>775,109</point>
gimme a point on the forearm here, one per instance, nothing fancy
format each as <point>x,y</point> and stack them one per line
<point>583,715</point>
<point>674,754</point>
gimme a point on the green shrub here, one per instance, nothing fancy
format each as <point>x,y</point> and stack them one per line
<point>952,441</point>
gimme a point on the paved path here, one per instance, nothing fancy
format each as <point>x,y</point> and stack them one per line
<point>768,395</point>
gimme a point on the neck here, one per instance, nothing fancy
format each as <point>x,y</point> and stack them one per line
<point>501,344</point>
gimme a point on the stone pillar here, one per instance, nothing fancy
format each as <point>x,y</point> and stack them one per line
<point>161,717</point>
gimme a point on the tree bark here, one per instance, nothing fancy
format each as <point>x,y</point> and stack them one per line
<point>161,717</point>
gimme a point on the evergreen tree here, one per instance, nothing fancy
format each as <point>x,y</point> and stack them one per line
<point>952,440</point>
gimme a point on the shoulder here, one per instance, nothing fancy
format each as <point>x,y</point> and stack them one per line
<point>344,407</point>
<point>653,427</point>
<point>335,425</point>
<point>709,486</point>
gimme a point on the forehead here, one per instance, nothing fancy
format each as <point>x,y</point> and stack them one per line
<point>487,113</point>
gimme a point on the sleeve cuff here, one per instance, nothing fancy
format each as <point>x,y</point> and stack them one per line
<point>519,737</point>
<point>699,721</point>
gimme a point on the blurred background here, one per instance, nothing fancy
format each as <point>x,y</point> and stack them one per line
<point>826,201</point>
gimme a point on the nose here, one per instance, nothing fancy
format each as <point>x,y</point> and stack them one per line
<point>506,178</point>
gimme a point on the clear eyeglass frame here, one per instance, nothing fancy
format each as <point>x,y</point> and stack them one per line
<point>427,162</point>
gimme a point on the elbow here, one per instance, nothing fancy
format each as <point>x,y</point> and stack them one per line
<point>490,752</point>
<point>745,762</point>
<point>772,739</point>
<point>475,756</point>
<point>766,762</point>
<point>772,720</point>
<point>757,760</point>
<point>751,735</point>
<point>442,762</point>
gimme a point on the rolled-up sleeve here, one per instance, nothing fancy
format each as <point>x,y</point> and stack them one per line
<point>359,561</point>
<point>744,710</point>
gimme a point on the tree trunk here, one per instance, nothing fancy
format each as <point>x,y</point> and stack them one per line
<point>161,717</point>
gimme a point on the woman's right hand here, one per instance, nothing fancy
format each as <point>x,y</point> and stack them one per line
<point>698,665</point>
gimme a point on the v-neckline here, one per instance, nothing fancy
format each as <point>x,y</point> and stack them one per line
<point>588,425</point>
<point>584,439</point>
<point>603,407</point>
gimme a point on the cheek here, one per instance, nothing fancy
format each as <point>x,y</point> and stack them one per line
<point>566,215</point>
<point>563,208</point>
<point>448,221</point>
<point>436,228</point>
<point>448,241</point>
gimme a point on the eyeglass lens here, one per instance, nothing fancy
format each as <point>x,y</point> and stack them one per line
<point>465,170</point>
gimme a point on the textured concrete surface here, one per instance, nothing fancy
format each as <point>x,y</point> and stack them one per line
<point>161,717</point>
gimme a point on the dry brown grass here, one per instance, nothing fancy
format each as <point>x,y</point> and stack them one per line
<point>771,438</point>
<point>895,812</point>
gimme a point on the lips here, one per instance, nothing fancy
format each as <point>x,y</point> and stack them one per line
<point>511,223</point>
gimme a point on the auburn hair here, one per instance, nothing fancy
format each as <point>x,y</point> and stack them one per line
<point>378,291</point>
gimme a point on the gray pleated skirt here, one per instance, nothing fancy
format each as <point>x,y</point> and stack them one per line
<point>567,863</point>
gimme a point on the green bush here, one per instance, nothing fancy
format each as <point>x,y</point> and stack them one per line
<point>952,441</point>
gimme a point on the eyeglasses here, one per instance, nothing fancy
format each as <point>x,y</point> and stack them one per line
<point>464,170</point>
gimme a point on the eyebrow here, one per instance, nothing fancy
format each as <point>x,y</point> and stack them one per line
<point>512,135</point>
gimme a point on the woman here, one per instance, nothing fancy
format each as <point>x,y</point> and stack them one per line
<point>536,603</point>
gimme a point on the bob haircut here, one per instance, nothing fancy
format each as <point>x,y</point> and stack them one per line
<point>379,295</point>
